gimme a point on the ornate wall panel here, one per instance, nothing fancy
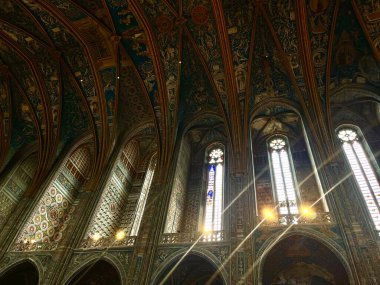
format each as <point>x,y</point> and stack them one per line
<point>176,209</point>
<point>48,220</point>
<point>14,186</point>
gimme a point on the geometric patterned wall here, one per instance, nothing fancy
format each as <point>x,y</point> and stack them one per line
<point>134,209</point>
<point>14,186</point>
<point>50,217</point>
<point>176,208</point>
<point>140,207</point>
<point>108,213</point>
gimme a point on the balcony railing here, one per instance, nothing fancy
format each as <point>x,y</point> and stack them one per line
<point>215,236</point>
<point>108,242</point>
<point>284,220</point>
<point>34,246</point>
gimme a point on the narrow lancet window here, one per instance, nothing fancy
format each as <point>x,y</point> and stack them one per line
<point>143,196</point>
<point>363,172</point>
<point>214,195</point>
<point>283,177</point>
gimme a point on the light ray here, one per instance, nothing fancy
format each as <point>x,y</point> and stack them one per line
<point>265,252</point>
<point>236,250</point>
<point>180,260</point>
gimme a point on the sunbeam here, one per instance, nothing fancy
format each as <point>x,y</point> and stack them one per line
<point>265,252</point>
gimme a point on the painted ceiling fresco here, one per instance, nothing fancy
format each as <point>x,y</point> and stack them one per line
<point>105,68</point>
<point>270,76</point>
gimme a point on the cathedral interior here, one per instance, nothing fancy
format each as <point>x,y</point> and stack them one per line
<point>190,142</point>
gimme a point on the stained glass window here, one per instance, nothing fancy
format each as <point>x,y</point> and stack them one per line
<point>363,172</point>
<point>214,193</point>
<point>283,177</point>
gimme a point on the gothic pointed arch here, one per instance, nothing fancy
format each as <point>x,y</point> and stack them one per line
<point>23,273</point>
<point>120,208</point>
<point>99,272</point>
<point>54,205</point>
<point>14,185</point>
<point>298,258</point>
<point>195,268</point>
<point>197,192</point>
<point>283,159</point>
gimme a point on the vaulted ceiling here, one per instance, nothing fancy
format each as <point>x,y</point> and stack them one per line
<point>107,68</point>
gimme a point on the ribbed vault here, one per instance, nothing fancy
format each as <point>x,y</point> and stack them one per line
<point>108,67</point>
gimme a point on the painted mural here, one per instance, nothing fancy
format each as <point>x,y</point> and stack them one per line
<point>47,66</point>
<point>15,13</point>
<point>270,77</point>
<point>320,16</point>
<point>24,129</point>
<point>352,60</point>
<point>282,15</point>
<point>370,12</point>
<point>69,9</point>
<point>196,93</point>
<point>26,80</point>
<point>5,108</point>
<point>109,78</point>
<point>166,29</point>
<point>134,41</point>
<point>73,54</point>
<point>239,21</point>
<point>203,28</point>
<point>132,99</point>
<point>75,117</point>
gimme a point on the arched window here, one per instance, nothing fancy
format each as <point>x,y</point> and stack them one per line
<point>14,185</point>
<point>282,174</point>
<point>214,195</point>
<point>51,216</point>
<point>143,196</point>
<point>363,171</point>
<point>109,213</point>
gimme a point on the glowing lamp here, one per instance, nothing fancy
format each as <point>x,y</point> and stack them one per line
<point>96,237</point>
<point>206,230</point>
<point>268,214</point>
<point>308,212</point>
<point>120,235</point>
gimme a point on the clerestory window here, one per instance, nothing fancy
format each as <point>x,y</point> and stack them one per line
<point>214,193</point>
<point>143,196</point>
<point>363,172</point>
<point>284,182</point>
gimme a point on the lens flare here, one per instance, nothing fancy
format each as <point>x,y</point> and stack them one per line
<point>120,235</point>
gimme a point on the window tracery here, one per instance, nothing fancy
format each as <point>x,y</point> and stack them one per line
<point>284,183</point>
<point>214,192</point>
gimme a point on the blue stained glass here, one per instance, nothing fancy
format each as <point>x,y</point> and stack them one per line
<point>214,194</point>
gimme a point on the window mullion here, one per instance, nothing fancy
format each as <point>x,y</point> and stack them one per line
<point>284,182</point>
<point>279,185</point>
<point>214,195</point>
<point>213,201</point>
